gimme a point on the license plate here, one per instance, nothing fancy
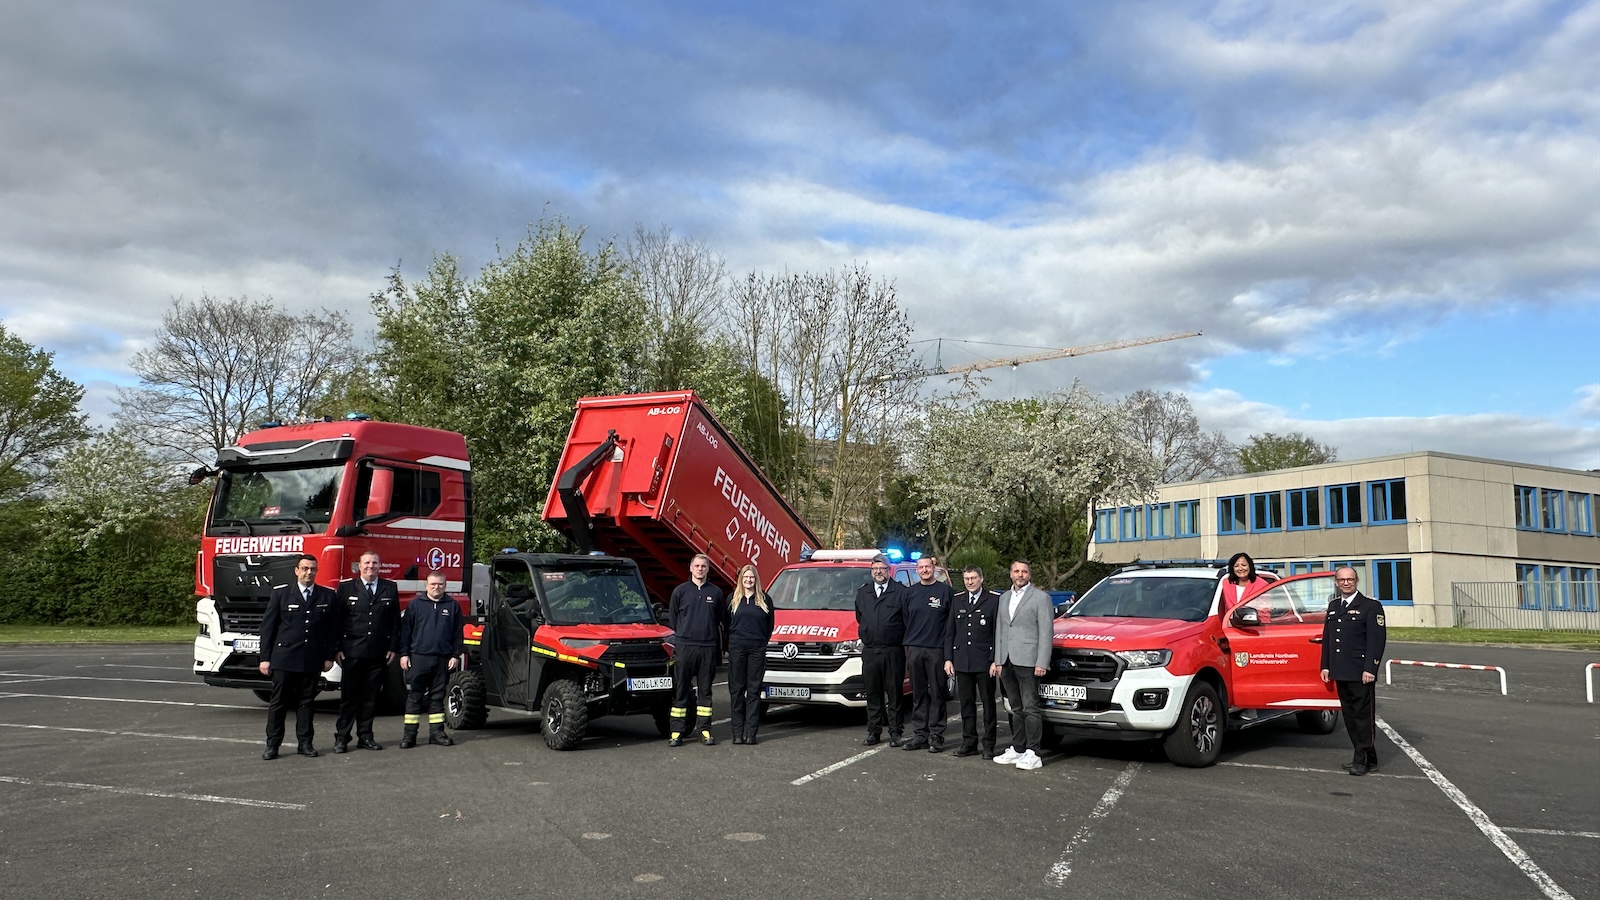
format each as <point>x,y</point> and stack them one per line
<point>1063,692</point>
<point>247,645</point>
<point>786,693</point>
<point>661,683</point>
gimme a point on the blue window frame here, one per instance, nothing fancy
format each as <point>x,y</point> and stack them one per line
<point>1266,512</point>
<point>1387,501</point>
<point>1300,568</point>
<point>1527,508</point>
<point>1275,568</point>
<point>1551,508</point>
<point>1132,523</point>
<point>1555,588</point>
<point>1159,522</point>
<point>1528,586</point>
<point>1580,513</point>
<point>1186,516</point>
<point>1344,505</point>
<point>1105,526</point>
<point>1231,515</point>
<point>1582,583</point>
<point>1305,509</point>
<point>1391,581</point>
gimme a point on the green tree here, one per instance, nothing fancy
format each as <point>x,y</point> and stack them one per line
<point>39,417</point>
<point>1267,452</point>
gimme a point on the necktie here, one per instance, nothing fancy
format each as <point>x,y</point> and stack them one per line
<point>306,593</point>
<point>880,590</point>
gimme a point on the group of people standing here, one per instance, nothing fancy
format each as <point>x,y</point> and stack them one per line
<point>307,628</point>
<point>699,616</point>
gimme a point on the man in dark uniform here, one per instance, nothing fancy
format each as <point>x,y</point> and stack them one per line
<point>927,608</point>
<point>698,617</point>
<point>970,644</point>
<point>297,646</point>
<point>430,649</point>
<point>1353,636</point>
<point>370,609</point>
<point>881,624</point>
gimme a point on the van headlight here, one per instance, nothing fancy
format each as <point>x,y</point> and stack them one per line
<point>847,648</point>
<point>1145,659</point>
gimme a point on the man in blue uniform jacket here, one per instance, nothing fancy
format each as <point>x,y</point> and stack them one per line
<point>430,649</point>
<point>297,646</point>
<point>969,639</point>
<point>1353,636</point>
<point>370,640</point>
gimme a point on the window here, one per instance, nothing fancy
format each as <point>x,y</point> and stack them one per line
<point>1266,512</point>
<point>1580,513</point>
<point>1528,586</point>
<point>1550,509</point>
<point>1160,521</point>
<point>1305,508</point>
<point>1360,565</point>
<point>1387,501</point>
<point>1555,587</point>
<point>1187,518</point>
<point>1132,523</point>
<point>416,492</point>
<point>1300,568</point>
<point>1391,581</point>
<point>1527,507</point>
<point>1344,505</point>
<point>1582,584</point>
<point>1105,526</point>
<point>1230,515</point>
<point>1275,568</point>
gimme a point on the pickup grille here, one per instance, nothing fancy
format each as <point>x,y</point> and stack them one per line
<point>631,653</point>
<point>1083,666</point>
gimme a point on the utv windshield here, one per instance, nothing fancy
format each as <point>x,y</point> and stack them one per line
<point>1186,599</point>
<point>821,588</point>
<point>253,501</point>
<point>594,595</point>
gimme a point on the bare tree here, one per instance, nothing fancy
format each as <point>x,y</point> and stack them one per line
<point>683,284</point>
<point>221,366</point>
<point>1166,425</point>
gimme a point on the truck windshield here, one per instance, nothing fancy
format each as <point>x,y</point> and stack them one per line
<point>1186,599</point>
<point>594,595</point>
<point>819,588</point>
<point>253,501</point>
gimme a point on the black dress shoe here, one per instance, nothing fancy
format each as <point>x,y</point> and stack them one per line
<point>341,746</point>
<point>738,739</point>
<point>367,743</point>
<point>750,740</point>
<point>675,742</point>
<point>871,740</point>
<point>914,744</point>
<point>307,750</point>
<point>1372,767</point>
<point>987,754</point>
<point>1358,770</point>
<point>936,747</point>
<point>896,740</point>
<point>408,741</point>
<point>270,753</point>
<point>965,751</point>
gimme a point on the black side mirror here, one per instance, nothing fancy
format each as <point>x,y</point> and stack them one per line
<point>1246,617</point>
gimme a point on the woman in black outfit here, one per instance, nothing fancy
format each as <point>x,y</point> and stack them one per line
<point>749,630</point>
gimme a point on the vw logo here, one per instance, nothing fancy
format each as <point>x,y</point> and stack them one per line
<point>1065,665</point>
<point>790,651</point>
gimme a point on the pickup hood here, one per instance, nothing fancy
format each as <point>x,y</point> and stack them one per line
<point>1124,634</point>
<point>555,637</point>
<point>802,625</point>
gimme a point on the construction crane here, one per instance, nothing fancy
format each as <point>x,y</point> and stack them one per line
<point>1014,361</point>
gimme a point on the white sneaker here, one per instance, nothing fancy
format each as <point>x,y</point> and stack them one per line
<point>1009,757</point>
<point>1029,760</point>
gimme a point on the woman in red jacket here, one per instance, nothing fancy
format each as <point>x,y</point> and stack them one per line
<point>1241,580</point>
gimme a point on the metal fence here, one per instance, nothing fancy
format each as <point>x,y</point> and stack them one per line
<point>1564,606</point>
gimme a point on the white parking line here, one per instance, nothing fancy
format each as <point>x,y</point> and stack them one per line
<point>836,766</point>
<point>146,734</point>
<point>1319,771</point>
<point>190,683</point>
<point>119,666</point>
<point>28,680</point>
<point>1063,867</point>
<point>167,795</point>
<point>1493,832</point>
<point>1555,833</point>
<point>8,694</point>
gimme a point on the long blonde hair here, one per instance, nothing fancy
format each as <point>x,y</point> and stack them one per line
<point>738,594</point>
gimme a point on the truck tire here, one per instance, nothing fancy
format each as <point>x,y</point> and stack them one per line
<point>663,718</point>
<point>1317,721</point>
<point>566,716</point>
<point>464,705</point>
<point>392,693</point>
<point>1197,739</point>
<point>265,696</point>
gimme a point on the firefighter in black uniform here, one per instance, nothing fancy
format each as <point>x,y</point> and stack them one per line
<point>1352,651</point>
<point>698,618</point>
<point>430,649</point>
<point>970,643</point>
<point>927,612</point>
<point>297,646</point>
<point>881,624</point>
<point>371,613</point>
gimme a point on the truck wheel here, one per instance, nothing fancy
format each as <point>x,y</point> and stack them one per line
<point>1197,739</point>
<point>392,692</point>
<point>663,716</point>
<point>464,706</point>
<point>266,696</point>
<point>566,716</point>
<point>1317,721</point>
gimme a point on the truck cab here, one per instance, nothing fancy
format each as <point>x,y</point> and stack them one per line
<point>1149,653</point>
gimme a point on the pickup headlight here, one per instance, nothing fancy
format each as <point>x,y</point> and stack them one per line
<point>580,643</point>
<point>848,648</point>
<point>1145,659</point>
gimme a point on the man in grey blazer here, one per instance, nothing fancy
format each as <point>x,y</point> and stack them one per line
<point>1021,657</point>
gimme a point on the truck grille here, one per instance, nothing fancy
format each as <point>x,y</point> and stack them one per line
<point>242,616</point>
<point>1083,665</point>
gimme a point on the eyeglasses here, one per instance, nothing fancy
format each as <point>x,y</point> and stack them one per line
<point>1345,580</point>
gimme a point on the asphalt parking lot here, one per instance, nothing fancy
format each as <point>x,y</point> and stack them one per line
<point>123,776</point>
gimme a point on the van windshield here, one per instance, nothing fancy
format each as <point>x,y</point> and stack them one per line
<point>819,588</point>
<point>1185,599</point>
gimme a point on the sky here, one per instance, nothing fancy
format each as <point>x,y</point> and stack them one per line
<point>1383,217</point>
